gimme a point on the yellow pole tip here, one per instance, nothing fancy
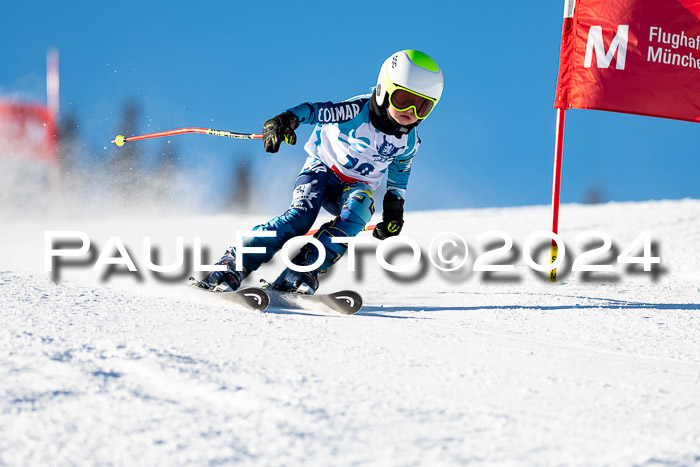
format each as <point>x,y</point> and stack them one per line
<point>119,140</point>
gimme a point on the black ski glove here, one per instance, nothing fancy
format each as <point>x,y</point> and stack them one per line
<point>392,217</point>
<point>280,128</point>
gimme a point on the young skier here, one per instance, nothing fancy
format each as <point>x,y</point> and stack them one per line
<point>353,145</point>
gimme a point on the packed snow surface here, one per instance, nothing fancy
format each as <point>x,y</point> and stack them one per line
<point>439,368</point>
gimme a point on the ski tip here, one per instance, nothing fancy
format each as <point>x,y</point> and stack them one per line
<point>256,298</point>
<point>350,301</point>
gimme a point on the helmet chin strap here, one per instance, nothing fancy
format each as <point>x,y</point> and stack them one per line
<point>382,121</point>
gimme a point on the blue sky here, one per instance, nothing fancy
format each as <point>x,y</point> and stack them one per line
<point>232,65</point>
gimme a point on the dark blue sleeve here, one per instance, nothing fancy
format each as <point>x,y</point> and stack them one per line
<point>328,112</point>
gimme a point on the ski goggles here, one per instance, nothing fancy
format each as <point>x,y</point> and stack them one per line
<point>403,99</point>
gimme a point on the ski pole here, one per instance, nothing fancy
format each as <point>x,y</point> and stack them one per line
<point>120,140</point>
<point>366,229</point>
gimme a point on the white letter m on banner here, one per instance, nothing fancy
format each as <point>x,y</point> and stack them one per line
<point>603,59</point>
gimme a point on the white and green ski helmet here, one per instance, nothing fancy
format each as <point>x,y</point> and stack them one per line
<point>412,70</point>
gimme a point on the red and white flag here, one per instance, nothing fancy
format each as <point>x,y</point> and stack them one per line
<point>633,56</point>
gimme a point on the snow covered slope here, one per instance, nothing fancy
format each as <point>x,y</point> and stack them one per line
<point>438,369</point>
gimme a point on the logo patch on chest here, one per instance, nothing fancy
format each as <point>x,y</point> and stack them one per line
<point>387,152</point>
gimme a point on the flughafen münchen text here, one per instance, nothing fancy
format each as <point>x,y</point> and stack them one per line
<point>666,51</point>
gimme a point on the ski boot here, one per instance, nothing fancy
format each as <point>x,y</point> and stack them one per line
<point>224,281</point>
<point>297,282</point>
<point>300,282</point>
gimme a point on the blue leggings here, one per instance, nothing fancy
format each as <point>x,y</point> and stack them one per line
<point>316,187</point>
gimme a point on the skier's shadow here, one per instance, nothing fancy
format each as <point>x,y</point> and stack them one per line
<point>613,305</point>
<point>386,311</point>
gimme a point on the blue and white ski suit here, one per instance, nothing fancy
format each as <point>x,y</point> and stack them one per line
<point>348,158</point>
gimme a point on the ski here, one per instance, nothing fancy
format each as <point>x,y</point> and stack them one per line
<point>252,298</point>
<point>345,302</point>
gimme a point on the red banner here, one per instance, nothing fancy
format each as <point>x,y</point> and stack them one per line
<point>27,130</point>
<point>634,56</point>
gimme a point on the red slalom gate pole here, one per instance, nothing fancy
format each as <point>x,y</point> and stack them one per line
<point>120,140</point>
<point>556,186</point>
